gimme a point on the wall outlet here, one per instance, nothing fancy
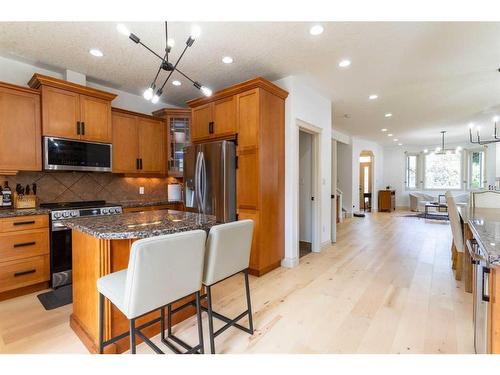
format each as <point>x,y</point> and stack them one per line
<point>141,189</point>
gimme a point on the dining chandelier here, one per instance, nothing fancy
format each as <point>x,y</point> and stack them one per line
<point>153,93</point>
<point>480,141</point>
<point>442,150</point>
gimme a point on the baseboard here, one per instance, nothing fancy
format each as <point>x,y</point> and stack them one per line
<point>290,262</point>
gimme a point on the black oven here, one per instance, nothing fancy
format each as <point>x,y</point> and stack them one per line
<point>60,255</point>
<point>71,155</point>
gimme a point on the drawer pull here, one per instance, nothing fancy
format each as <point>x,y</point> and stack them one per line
<point>24,222</point>
<point>22,273</point>
<point>23,244</point>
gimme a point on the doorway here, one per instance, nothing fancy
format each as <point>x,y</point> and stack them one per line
<point>306,196</point>
<point>366,180</point>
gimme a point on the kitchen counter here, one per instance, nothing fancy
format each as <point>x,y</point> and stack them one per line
<point>13,212</point>
<point>136,203</point>
<point>485,226</point>
<point>136,225</point>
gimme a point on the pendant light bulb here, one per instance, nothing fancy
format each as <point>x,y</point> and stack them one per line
<point>206,91</point>
<point>148,93</point>
<point>122,29</point>
<point>171,42</point>
<point>195,32</point>
<point>155,99</point>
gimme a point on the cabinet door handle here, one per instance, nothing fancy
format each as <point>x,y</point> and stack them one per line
<point>137,163</point>
<point>140,163</point>
<point>23,244</point>
<point>211,127</point>
<point>17,274</point>
<point>78,127</point>
<point>83,128</point>
<point>24,222</point>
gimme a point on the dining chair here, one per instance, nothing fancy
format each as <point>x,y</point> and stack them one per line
<point>485,199</point>
<point>457,245</point>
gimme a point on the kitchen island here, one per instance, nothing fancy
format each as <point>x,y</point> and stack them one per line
<point>483,225</point>
<point>101,245</point>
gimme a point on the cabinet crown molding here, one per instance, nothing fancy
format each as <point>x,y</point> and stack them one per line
<point>172,111</point>
<point>19,88</point>
<point>39,80</point>
<point>258,82</point>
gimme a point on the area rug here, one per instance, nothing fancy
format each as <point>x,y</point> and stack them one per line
<point>430,216</point>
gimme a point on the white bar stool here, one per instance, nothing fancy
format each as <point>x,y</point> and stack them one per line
<point>161,270</point>
<point>227,254</point>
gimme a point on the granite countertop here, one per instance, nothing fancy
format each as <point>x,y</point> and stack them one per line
<point>485,226</point>
<point>141,224</point>
<point>13,212</point>
<point>129,204</point>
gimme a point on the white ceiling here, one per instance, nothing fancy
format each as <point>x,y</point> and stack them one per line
<point>431,76</point>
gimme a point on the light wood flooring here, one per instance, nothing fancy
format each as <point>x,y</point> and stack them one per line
<point>385,287</point>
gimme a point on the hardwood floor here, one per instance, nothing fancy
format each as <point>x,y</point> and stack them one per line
<point>386,286</point>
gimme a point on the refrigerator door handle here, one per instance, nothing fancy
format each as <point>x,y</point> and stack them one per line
<point>197,181</point>
<point>203,178</point>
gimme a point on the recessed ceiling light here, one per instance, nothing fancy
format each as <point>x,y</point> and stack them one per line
<point>388,115</point>
<point>389,135</point>
<point>395,139</point>
<point>176,83</point>
<point>345,63</point>
<point>373,97</point>
<point>227,59</point>
<point>384,129</point>
<point>400,144</point>
<point>316,30</point>
<point>96,52</point>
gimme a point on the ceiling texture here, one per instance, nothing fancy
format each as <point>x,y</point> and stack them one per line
<point>431,76</point>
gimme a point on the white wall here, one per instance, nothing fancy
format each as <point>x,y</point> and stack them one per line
<point>344,174</point>
<point>307,105</point>
<point>19,73</point>
<point>359,145</point>
<point>305,186</point>
<point>394,170</point>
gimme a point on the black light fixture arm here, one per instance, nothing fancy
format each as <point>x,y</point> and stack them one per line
<point>495,139</point>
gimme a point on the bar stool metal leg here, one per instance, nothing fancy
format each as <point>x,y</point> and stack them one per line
<point>200,327</point>
<point>210,320</point>
<point>249,306</point>
<point>162,323</point>
<point>132,336</point>
<point>101,323</point>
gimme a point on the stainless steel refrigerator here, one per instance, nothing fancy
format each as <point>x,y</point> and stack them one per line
<point>210,179</point>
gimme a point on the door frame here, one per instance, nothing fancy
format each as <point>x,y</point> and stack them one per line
<point>370,178</point>
<point>315,132</point>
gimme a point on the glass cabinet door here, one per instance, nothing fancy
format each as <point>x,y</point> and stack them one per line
<point>179,138</point>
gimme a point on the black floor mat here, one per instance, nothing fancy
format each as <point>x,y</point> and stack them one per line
<point>57,298</point>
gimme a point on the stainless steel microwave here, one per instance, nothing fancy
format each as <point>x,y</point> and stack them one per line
<point>70,155</point>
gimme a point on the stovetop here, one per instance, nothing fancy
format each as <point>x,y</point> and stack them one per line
<point>75,205</point>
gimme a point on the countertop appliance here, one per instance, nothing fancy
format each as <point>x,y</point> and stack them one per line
<point>210,179</point>
<point>60,234</point>
<point>72,155</point>
<point>481,296</point>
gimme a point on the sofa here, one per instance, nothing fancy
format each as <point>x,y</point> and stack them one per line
<point>418,201</point>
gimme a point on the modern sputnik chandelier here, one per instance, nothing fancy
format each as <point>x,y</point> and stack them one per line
<point>442,149</point>
<point>480,141</point>
<point>153,93</point>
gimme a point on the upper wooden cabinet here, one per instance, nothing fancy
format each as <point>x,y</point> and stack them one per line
<point>216,119</point>
<point>138,143</point>
<point>177,137</point>
<point>253,114</point>
<point>74,111</point>
<point>20,131</point>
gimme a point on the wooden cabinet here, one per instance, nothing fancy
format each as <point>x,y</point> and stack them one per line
<point>214,120</point>
<point>74,111</point>
<point>178,135</point>
<point>387,200</point>
<point>138,143</point>
<point>253,113</point>
<point>24,254</point>
<point>20,130</point>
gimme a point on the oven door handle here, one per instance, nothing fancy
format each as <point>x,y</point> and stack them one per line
<point>56,227</point>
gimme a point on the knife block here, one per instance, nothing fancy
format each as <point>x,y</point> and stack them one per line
<point>24,201</point>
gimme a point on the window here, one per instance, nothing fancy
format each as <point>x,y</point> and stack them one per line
<point>443,171</point>
<point>365,159</point>
<point>476,169</point>
<point>411,171</point>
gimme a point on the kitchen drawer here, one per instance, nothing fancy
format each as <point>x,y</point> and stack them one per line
<point>24,272</point>
<point>25,244</point>
<point>12,224</point>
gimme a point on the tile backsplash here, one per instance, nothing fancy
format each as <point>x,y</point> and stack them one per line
<point>86,186</point>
